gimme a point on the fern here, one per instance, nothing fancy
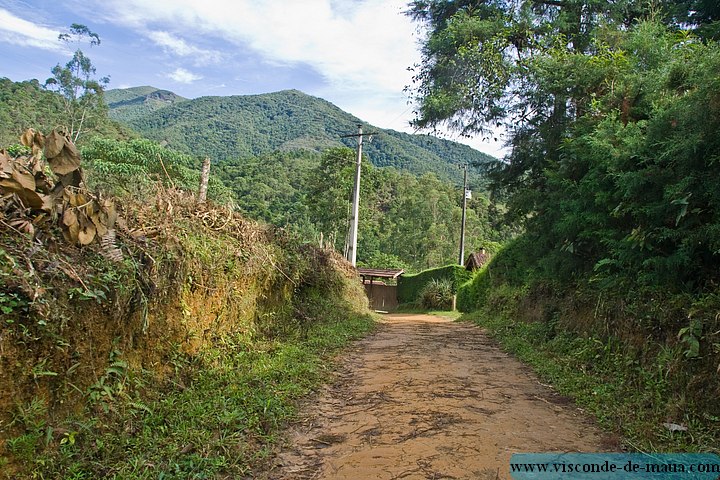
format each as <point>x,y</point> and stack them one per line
<point>110,250</point>
<point>140,406</point>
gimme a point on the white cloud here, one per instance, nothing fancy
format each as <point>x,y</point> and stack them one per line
<point>181,75</point>
<point>362,48</point>
<point>180,47</point>
<point>16,31</point>
<point>353,44</point>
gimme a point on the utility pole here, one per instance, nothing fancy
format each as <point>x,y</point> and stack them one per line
<point>204,179</point>
<point>352,240</point>
<point>461,260</point>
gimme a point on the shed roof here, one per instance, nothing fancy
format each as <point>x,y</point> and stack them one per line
<point>476,260</point>
<point>379,272</point>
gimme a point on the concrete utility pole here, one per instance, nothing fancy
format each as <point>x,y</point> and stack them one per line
<point>352,240</point>
<point>461,260</point>
<point>204,180</point>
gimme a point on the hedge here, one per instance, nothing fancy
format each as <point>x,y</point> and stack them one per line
<point>472,294</point>
<point>409,286</point>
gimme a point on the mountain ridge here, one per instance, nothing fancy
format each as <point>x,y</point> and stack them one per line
<point>246,126</point>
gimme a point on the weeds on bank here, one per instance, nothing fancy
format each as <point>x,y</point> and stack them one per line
<point>218,414</point>
<point>608,381</point>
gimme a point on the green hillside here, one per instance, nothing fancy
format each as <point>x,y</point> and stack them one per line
<point>127,102</point>
<point>272,158</point>
<point>28,104</point>
<point>250,125</point>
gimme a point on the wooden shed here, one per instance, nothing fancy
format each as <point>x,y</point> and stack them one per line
<point>381,287</point>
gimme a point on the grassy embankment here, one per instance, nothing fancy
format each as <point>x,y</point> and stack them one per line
<point>621,356</point>
<point>179,357</point>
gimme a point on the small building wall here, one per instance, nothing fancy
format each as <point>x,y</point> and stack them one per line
<point>382,297</point>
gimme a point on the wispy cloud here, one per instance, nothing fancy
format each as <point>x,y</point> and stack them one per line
<point>16,31</point>
<point>354,53</point>
<point>181,75</point>
<point>180,47</point>
<point>353,44</point>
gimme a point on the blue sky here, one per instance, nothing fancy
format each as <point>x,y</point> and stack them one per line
<point>354,53</point>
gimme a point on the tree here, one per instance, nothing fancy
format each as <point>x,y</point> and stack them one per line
<point>489,64</point>
<point>82,92</point>
<point>26,105</point>
<point>407,221</point>
<point>613,171</point>
<point>329,192</point>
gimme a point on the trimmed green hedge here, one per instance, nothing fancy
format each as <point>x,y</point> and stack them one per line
<point>409,286</point>
<point>472,294</point>
<point>515,265</point>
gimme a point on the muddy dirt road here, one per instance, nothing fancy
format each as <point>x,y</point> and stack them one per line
<point>426,398</point>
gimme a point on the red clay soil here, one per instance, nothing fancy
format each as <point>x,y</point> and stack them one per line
<point>427,398</point>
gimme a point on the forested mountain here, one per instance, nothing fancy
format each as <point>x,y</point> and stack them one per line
<point>406,221</point>
<point>125,103</point>
<point>225,128</point>
<point>284,163</point>
<point>283,157</point>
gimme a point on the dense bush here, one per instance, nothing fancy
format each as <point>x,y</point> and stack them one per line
<point>193,324</point>
<point>437,294</point>
<point>411,286</point>
<point>131,167</point>
<point>471,294</point>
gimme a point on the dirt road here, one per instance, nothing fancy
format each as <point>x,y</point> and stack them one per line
<point>426,398</point>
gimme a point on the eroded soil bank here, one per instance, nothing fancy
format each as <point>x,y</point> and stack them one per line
<point>426,398</point>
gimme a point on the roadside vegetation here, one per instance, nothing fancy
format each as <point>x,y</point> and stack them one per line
<point>646,392</point>
<point>611,288</point>
<point>174,346</point>
<point>217,412</point>
<point>145,334</point>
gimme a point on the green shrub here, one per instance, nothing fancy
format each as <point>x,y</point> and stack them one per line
<point>133,167</point>
<point>437,294</point>
<point>411,286</point>
<point>516,265</point>
<point>473,293</point>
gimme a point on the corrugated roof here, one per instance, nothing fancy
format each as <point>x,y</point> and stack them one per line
<point>379,272</point>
